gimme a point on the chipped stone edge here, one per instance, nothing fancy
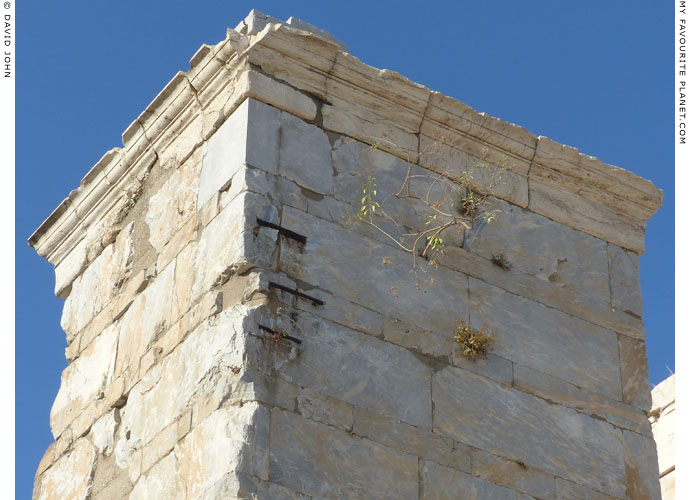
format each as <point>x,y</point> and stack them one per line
<point>121,170</point>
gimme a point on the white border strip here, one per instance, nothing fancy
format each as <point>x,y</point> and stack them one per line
<point>682,145</point>
<point>7,207</point>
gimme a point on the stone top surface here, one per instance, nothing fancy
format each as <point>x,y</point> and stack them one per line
<point>375,106</point>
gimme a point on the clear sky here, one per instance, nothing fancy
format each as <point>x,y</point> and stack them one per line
<point>591,74</point>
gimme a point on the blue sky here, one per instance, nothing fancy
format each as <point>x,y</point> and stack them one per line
<point>591,74</point>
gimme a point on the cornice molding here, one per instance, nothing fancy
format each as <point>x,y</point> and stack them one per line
<point>287,67</point>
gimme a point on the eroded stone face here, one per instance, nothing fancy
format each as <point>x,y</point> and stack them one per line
<point>439,482</point>
<point>172,204</point>
<point>85,380</point>
<point>526,331</point>
<point>324,462</point>
<point>235,331</point>
<point>521,427</point>
<point>71,476</point>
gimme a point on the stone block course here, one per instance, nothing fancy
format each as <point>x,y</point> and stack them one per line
<point>518,426</point>
<point>527,330</point>
<point>438,482</point>
<point>333,464</point>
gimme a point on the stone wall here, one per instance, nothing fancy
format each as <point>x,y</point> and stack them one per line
<point>663,419</point>
<point>234,332</point>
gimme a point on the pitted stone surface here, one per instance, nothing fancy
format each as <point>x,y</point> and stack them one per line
<point>235,331</point>
<point>508,422</point>
<point>327,463</point>
<point>527,330</point>
<point>70,477</point>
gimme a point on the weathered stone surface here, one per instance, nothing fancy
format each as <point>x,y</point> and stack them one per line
<point>270,91</point>
<point>172,204</point>
<point>305,26</point>
<point>513,474</point>
<point>103,432</point>
<point>88,293</point>
<point>255,22</point>
<point>161,481</point>
<point>567,490</point>
<point>641,472</point>
<point>230,439</point>
<point>228,245</point>
<point>345,264</point>
<point>441,483</point>
<point>164,393</point>
<point>84,380</point>
<point>333,464</point>
<point>261,182</point>
<point>99,284</point>
<point>263,135</point>
<point>453,156</point>
<point>369,128</point>
<point>249,135</point>
<point>410,439</point>
<point>349,75</point>
<point>345,313</point>
<point>634,372</point>
<point>559,391</point>
<point>305,155</point>
<point>252,385</point>
<point>540,247</point>
<point>443,347</point>
<point>109,481</point>
<point>160,252</point>
<point>573,302</point>
<point>526,333</point>
<point>356,163</point>
<point>361,370</point>
<point>549,199</point>
<point>70,477</point>
<point>503,421</point>
<point>294,64</point>
<point>324,409</point>
<point>450,115</point>
<point>69,268</point>
<point>224,155</point>
<point>238,485</point>
<point>150,314</point>
<point>625,280</point>
<point>159,446</point>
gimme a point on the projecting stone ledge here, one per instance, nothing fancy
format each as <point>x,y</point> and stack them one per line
<point>234,332</point>
<point>374,106</point>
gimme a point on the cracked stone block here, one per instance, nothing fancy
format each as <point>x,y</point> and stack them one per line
<point>334,464</point>
<point>507,422</point>
<point>305,155</point>
<point>547,340</point>
<point>70,476</point>
<point>625,280</point>
<point>438,482</point>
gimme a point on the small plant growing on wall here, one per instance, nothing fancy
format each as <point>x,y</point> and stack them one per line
<point>447,201</point>
<point>501,261</point>
<point>474,343</point>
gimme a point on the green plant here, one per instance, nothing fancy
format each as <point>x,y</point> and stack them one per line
<point>369,204</point>
<point>446,201</point>
<point>475,343</point>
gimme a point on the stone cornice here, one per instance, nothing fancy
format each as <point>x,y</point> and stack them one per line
<point>286,67</point>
